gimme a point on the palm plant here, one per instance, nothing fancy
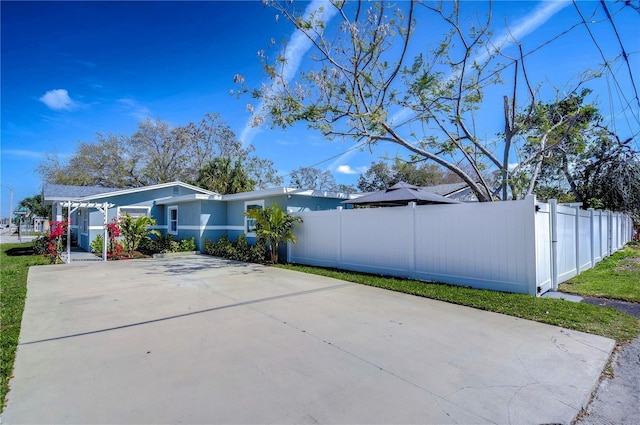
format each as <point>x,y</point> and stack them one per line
<point>134,230</point>
<point>275,226</point>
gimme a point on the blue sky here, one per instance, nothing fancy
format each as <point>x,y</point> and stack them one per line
<point>72,69</point>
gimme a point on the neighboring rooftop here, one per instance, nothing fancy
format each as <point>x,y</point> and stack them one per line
<point>445,189</point>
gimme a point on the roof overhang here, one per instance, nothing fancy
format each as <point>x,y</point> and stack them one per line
<point>187,198</point>
<point>279,191</point>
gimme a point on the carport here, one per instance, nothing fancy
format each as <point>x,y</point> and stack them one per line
<point>204,340</point>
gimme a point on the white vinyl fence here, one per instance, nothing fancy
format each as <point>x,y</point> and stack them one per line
<point>513,246</point>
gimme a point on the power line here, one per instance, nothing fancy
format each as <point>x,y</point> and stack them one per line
<point>607,63</point>
<point>359,145</point>
<point>625,56</point>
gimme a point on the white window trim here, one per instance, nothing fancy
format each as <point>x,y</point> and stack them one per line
<point>169,209</point>
<point>141,207</point>
<point>84,214</point>
<point>259,202</point>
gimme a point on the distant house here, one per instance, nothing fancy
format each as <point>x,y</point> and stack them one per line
<point>456,191</point>
<point>180,209</point>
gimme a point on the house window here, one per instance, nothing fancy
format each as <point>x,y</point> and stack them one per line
<point>84,219</point>
<point>134,212</point>
<point>250,223</point>
<point>173,220</point>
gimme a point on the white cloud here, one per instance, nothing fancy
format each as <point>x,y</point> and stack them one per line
<point>347,169</point>
<point>135,109</point>
<point>20,153</point>
<point>57,100</point>
<point>298,45</point>
<point>522,27</point>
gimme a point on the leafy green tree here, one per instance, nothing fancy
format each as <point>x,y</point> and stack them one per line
<point>35,207</point>
<point>382,175</point>
<point>608,175</point>
<point>134,230</point>
<point>274,225</point>
<point>378,176</point>
<point>557,134</point>
<point>312,178</point>
<point>156,153</point>
<point>371,81</point>
<point>222,176</point>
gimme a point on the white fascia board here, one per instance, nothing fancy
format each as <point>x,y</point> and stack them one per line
<point>152,187</point>
<point>256,194</point>
<point>277,191</point>
<point>187,198</point>
<point>49,201</point>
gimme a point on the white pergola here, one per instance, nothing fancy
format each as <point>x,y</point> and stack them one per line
<point>72,206</point>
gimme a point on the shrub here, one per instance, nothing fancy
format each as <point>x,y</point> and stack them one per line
<point>97,244</point>
<point>114,247</point>
<point>238,250</point>
<point>40,245</point>
<point>54,244</point>
<point>166,243</point>
<point>187,245</point>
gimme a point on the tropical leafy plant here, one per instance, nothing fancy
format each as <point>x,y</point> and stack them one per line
<point>275,225</point>
<point>134,230</point>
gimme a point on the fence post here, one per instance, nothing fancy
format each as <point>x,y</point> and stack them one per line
<point>609,233</point>
<point>412,264</point>
<point>592,231</point>
<point>577,208</point>
<point>553,215</point>
<point>340,233</point>
<point>600,234</point>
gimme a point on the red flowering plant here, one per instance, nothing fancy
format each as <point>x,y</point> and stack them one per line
<point>114,248</point>
<point>54,244</point>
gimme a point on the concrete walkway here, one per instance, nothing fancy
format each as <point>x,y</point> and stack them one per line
<point>77,254</point>
<point>202,340</point>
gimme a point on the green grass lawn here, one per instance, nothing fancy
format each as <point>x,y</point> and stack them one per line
<point>581,317</point>
<point>617,277</point>
<point>13,285</point>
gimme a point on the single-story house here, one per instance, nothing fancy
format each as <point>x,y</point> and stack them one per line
<point>179,209</point>
<point>455,191</point>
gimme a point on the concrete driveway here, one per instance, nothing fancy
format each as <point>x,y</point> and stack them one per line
<point>202,340</point>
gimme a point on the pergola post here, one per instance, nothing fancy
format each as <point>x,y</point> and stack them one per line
<point>69,233</point>
<point>104,247</point>
<point>73,206</point>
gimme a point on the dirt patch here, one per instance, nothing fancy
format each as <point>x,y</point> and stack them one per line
<point>624,306</point>
<point>629,264</point>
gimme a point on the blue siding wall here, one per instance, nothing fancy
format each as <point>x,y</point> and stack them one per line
<point>202,220</point>
<point>138,199</point>
<point>306,203</point>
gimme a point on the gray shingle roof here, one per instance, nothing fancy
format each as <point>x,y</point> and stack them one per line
<point>445,189</point>
<point>63,191</point>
